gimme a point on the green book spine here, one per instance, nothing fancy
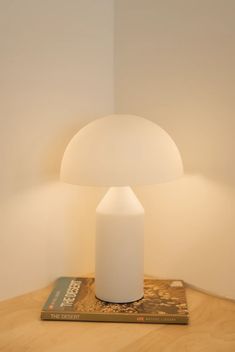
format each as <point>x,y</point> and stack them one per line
<point>118,318</point>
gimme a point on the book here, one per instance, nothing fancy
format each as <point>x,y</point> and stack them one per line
<point>73,298</point>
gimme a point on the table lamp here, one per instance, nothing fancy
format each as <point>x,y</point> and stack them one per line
<point>119,151</point>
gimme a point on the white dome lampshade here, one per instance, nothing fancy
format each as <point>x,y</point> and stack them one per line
<point>120,151</point>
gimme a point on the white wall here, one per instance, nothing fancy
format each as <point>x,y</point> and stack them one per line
<point>174,64</point>
<point>56,74</point>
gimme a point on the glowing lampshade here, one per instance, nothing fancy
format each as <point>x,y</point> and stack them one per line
<point>121,150</point>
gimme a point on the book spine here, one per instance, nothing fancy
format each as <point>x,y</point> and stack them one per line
<point>121,318</point>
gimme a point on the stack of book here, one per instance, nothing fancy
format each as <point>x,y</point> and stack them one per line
<point>73,298</point>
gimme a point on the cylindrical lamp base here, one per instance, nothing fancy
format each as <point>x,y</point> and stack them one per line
<point>119,271</point>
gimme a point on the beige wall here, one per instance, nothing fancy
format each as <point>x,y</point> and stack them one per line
<point>174,64</point>
<point>56,74</point>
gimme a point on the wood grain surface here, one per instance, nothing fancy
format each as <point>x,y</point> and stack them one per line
<point>211,328</point>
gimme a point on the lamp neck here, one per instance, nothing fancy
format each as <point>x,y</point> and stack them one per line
<point>120,200</point>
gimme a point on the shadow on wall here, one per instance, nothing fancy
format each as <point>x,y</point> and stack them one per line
<point>206,140</point>
<point>46,232</point>
<point>190,232</point>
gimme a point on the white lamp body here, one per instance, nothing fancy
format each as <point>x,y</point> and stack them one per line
<point>119,269</point>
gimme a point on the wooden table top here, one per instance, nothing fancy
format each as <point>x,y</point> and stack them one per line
<point>211,328</point>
